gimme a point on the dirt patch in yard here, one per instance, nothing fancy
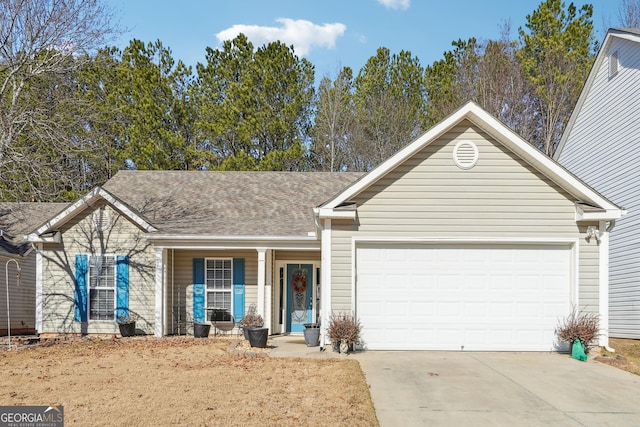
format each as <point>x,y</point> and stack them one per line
<point>626,356</point>
<point>183,381</point>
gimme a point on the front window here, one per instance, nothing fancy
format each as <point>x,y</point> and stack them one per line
<point>102,287</point>
<point>218,280</point>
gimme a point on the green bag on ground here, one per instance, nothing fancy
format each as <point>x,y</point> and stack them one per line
<point>577,351</point>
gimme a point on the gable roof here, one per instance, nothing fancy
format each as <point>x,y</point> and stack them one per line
<point>492,126</point>
<point>18,219</point>
<point>631,34</point>
<point>73,209</point>
<point>206,203</point>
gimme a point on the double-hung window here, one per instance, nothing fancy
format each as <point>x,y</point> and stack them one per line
<point>218,276</point>
<point>102,287</point>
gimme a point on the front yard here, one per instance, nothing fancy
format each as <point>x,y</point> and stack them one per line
<point>183,381</point>
<point>626,356</point>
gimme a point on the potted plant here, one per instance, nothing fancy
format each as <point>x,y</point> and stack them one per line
<point>201,330</point>
<point>250,320</point>
<point>127,324</point>
<point>344,331</point>
<point>312,334</point>
<point>580,330</point>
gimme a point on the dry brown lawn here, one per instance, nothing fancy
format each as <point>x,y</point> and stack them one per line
<point>627,355</point>
<point>183,381</point>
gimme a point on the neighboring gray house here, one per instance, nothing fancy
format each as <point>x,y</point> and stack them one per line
<point>468,238</point>
<point>601,145</point>
<point>16,220</point>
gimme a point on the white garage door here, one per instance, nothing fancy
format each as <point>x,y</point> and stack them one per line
<point>462,297</point>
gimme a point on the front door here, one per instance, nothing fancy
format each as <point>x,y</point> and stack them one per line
<point>299,296</point>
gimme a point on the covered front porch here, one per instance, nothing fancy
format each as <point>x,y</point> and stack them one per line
<point>281,282</point>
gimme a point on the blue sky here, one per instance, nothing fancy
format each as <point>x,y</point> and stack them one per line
<point>330,33</point>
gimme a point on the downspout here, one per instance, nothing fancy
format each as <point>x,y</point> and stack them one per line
<point>173,307</point>
<point>603,244</point>
<point>39,288</point>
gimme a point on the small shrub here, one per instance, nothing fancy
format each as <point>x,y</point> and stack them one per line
<point>344,327</point>
<point>252,319</point>
<point>579,325</point>
<point>128,317</point>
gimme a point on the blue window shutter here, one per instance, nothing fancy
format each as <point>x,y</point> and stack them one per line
<point>80,294</point>
<point>238,289</point>
<point>198,290</point>
<point>122,287</point>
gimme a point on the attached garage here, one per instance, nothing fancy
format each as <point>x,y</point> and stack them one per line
<point>469,238</point>
<point>462,296</point>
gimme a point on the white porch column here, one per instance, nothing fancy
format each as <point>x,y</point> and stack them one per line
<point>262,268</point>
<point>603,272</point>
<point>268,290</point>
<point>325,283</point>
<point>39,298</point>
<point>159,309</point>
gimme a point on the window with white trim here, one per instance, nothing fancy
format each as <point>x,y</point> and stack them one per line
<point>218,280</point>
<point>102,287</point>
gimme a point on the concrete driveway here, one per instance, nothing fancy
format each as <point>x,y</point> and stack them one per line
<point>496,389</point>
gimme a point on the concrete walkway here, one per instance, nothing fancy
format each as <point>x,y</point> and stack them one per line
<point>417,388</point>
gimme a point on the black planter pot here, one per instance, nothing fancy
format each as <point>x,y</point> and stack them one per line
<point>201,330</point>
<point>258,337</point>
<point>127,329</point>
<point>312,334</point>
<point>245,332</point>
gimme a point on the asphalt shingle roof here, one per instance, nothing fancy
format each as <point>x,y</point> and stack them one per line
<point>228,203</point>
<point>20,219</point>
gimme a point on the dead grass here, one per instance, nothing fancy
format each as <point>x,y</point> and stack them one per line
<point>626,357</point>
<point>183,381</point>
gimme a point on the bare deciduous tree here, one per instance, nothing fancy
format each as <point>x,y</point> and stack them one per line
<point>629,13</point>
<point>41,43</point>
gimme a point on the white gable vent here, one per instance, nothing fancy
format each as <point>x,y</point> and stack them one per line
<point>465,154</point>
<point>101,220</point>
<point>614,64</point>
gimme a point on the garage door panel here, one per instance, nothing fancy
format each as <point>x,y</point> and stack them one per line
<point>488,297</point>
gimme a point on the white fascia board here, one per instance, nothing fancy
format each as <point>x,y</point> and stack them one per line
<point>80,205</point>
<point>395,160</point>
<point>500,132</point>
<point>539,160</point>
<point>324,213</point>
<point>35,238</point>
<point>173,241</point>
<point>604,215</point>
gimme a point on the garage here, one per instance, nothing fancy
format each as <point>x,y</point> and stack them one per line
<point>475,297</point>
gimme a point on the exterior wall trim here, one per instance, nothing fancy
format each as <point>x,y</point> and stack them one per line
<point>326,282</point>
<point>39,288</point>
<point>158,328</point>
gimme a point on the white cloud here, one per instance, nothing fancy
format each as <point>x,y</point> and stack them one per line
<point>303,35</point>
<point>395,4</point>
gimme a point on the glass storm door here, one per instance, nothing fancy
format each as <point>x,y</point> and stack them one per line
<point>299,296</point>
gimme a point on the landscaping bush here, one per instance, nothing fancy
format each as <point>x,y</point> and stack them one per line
<point>579,325</point>
<point>344,327</point>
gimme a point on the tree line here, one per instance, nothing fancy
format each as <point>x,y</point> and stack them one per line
<point>73,113</point>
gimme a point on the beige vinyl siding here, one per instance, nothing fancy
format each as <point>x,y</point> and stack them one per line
<point>603,149</point>
<point>183,276</point>
<point>429,197</point>
<point>22,299</point>
<point>297,255</point>
<point>79,237</point>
